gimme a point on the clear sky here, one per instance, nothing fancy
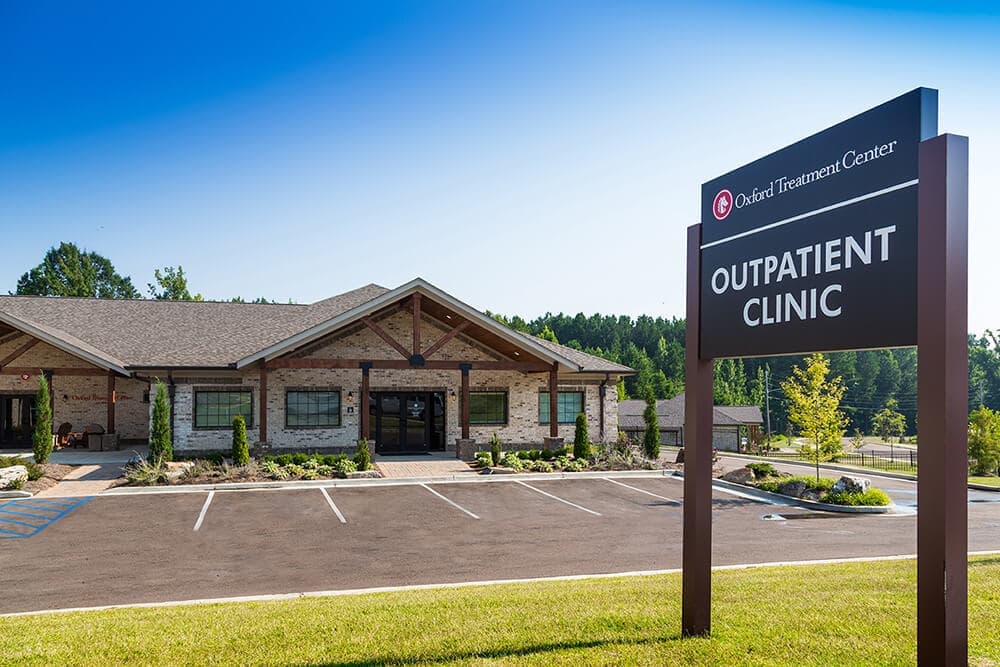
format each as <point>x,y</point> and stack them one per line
<point>526,157</point>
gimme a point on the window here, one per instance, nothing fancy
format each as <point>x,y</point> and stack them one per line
<point>216,409</point>
<point>312,409</point>
<point>488,407</point>
<point>570,405</point>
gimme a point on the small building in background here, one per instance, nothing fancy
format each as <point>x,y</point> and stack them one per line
<point>733,426</point>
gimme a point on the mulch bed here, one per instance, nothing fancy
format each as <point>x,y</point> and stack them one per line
<point>53,473</point>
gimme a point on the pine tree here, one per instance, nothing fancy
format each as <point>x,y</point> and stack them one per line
<point>161,448</point>
<point>581,439</point>
<point>651,438</point>
<point>41,438</point>
<point>241,449</point>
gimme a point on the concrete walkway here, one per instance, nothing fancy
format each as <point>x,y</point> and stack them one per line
<point>421,466</point>
<point>84,480</point>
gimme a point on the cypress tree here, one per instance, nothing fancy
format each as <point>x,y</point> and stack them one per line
<point>581,439</point>
<point>241,449</point>
<point>41,438</point>
<point>161,446</point>
<point>651,438</point>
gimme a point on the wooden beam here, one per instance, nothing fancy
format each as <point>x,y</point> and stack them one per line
<point>416,324</point>
<point>94,372</point>
<point>466,401</point>
<point>19,351</point>
<point>363,404</point>
<point>386,337</point>
<point>111,403</point>
<point>14,335</point>
<point>443,340</point>
<point>263,403</point>
<point>554,401</point>
<point>401,364</point>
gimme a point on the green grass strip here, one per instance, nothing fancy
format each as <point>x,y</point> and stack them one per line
<point>843,614</point>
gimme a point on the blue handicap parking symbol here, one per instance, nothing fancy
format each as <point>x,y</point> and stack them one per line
<point>29,516</point>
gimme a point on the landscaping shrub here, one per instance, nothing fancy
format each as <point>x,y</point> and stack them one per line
<point>41,438</point>
<point>876,497</point>
<point>362,457</point>
<point>534,454</point>
<point>312,464</point>
<point>145,472</point>
<point>513,461</point>
<point>761,470</point>
<point>345,466</point>
<point>546,454</point>
<point>581,438</point>
<point>541,466</point>
<point>161,446</point>
<point>35,471</point>
<point>331,459</point>
<point>484,459</point>
<point>215,458</point>
<point>241,449</point>
<point>562,451</point>
<point>651,436</point>
<point>14,484</point>
<point>495,449</point>
<point>298,458</point>
<point>294,470</point>
<point>283,459</point>
<point>575,466</point>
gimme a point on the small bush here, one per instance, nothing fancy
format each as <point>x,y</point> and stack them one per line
<point>294,470</point>
<point>325,470</point>
<point>874,497</point>
<point>215,458</point>
<point>767,486</point>
<point>35,471</point>
<point>534,454</point>
<point>345,466</point>
<point>484,459</point>
<point>541,466</point>
<point>575,466</point>
<point>547,454</point>
<point>761,470</point>
<point>283,459</point>
<point>241,449</point>
<point>362,457</point>
<point>561,462</point>
<point>331,459</point>
<point>298,458</point>
<point>144,472</point>
<point>310,473</point>
<point>15,484</point>
<point>495,449</point>
<point>312,464</point>
<point>581,438</point>
<point>512,461</point>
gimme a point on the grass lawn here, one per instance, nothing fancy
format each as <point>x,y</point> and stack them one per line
<point>856,613</point>
<point>982,479</point>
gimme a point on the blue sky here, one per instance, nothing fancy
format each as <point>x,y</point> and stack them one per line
<point>526,157</point>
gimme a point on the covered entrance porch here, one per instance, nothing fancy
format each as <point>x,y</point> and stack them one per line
<point>408,422</point>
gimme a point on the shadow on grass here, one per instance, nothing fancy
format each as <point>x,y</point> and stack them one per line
<point>513,652</point>
<point>981,562</point>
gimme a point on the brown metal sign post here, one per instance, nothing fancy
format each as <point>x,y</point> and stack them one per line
<point>942,401</point>
<point>853,238</point>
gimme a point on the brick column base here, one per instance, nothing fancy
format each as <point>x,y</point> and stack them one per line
<point>554,443</point>
<point>465,448</point>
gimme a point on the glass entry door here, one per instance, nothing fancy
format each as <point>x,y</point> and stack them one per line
<point>408,422</point>
<point>17,420</point>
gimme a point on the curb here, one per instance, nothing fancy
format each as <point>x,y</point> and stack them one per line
<point>842,468</point>
<point>777,498</point>
<point>15,494</point>
<point>463,478</point>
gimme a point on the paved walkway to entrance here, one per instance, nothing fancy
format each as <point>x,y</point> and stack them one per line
<point>84,480</point>
<point>421,466</point>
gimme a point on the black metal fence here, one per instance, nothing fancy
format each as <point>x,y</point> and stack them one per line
<point>901,460</point>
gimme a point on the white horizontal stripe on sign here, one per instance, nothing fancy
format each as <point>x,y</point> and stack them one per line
<point>803,216</point>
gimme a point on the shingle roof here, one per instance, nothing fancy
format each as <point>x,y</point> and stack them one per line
<point>670,414</point>
<point>201,334</point>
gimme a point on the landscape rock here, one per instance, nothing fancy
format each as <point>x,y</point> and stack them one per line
<point>795,489</point>
<point>12,474</point>
<point>175,469</point>
<point>739,476</point>
<point>850,484</point>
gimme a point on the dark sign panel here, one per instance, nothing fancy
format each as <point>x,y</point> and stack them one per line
<point>814,247</point>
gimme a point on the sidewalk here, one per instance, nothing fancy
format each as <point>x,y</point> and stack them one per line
<point>421,466</point>
<point>84,480</point>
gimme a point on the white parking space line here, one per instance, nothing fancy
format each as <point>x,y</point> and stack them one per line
<point>333,505</point>
<point>204,509</point>
<point>636,488</point>
<point>450,501</point>
<point>562,500</point>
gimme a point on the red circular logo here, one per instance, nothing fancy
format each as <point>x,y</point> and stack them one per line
<point>722,204</point>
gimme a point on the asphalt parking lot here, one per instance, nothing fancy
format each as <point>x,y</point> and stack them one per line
<point>118,549</point>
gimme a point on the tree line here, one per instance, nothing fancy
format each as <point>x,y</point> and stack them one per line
<point>874,380</point>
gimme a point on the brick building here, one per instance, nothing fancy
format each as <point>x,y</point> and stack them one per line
<point>412,369</point>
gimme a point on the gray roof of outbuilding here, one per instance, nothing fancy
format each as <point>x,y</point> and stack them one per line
<point>670,414</point>
<point>127,333</point>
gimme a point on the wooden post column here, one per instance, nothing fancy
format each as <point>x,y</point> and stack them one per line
<point>465,400</point>
<point>364,404</point>
<point>263,402</point>
<point>696,555</point>
<point>942,401</point>
<point>554,401</point>
<point>111,403</point>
